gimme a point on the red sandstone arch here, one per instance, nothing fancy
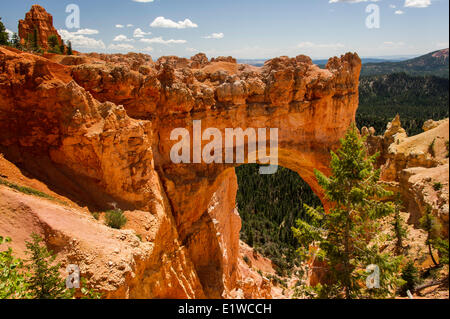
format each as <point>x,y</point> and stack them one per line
<point>125,151</point>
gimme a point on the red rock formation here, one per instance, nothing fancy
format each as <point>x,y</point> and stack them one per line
<point>69,113</point>
<point>38,19</point>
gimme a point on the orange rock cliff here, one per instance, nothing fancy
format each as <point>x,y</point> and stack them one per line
<point>96,129</point>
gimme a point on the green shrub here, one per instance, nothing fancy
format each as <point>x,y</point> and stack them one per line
<point>115,219</point>
<point>96,215</point>
<point>410,275</point>
<point>29,191</point>
<point>12,280</point>
<point>437,186</point>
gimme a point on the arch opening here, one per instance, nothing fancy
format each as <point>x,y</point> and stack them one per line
<point>269,206</point>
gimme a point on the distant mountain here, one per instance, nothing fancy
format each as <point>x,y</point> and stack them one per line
<point>434,63</point>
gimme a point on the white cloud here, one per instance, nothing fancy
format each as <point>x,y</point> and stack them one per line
<point>10,33</point>
<point>81,41</point>
<point>417,3</point>
<point>121,47</point>
<point>393,44</point>
<point>215,36</point>
<point>86,32</point>
<point>160,40</point>
<point>442,45</point>
<point>310,45</point>
<point>161,22</point>
<point>147,49</point>
<point>129,25</point>
<point>138,33</point>
<point>399,12</point>
<point>122,38</point>
<point>120,26</point>
<point>351,1</point>
<point>192,50</point>
<point>392,6</point>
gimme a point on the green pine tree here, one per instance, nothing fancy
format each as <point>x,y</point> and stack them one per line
<point>69,48</point>
<point>433,227</point>
<point>15,41</point>
<point>430,224</point>
<point>4,36</point>
<point>398,224</point>
<point>342,235</point>
<point>53,44</point>
<point>44,281</point>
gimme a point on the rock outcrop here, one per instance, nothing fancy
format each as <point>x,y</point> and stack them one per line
<point>104,123</point>
<point>416,167</point>
<point>38,21</point>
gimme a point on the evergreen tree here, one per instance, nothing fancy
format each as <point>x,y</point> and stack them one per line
<point>430,224</point>
<point>69,48</point>
<point>342,235</point>
<point>400,230</point>
<point>15,41</point>
<point>410,275</point>
<point>54,45</point>
<point>44,281</point>
<point>35,43</point>
<point>433,227</point>
<point>4,36</point>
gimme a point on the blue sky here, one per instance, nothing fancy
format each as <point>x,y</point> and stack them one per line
<point>247,28</point>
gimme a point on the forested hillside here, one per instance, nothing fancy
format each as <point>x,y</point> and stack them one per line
<point>415,98</point>
<point>269,205</point>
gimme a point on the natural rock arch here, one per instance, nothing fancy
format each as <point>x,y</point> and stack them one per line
<point>125,151</point>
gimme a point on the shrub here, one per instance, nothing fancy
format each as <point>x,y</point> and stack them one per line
<point>115,219</point>
<point>431,148</point>
<point>437,186</point>
<point>12,280</point>
<point>96,215</point>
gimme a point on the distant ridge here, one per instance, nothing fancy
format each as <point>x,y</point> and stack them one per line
<point>434,63</point>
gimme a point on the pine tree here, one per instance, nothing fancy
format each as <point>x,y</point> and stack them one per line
<point>35,43</point>
<point>4,36</point>
<point>433,227</point>
<point>15,41</point>
<point>53,43</point>
<point>430,224</point>
<point>342,235</point>
<point>44,281</point>
<point>69,48</point>
<point>400,230</point>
